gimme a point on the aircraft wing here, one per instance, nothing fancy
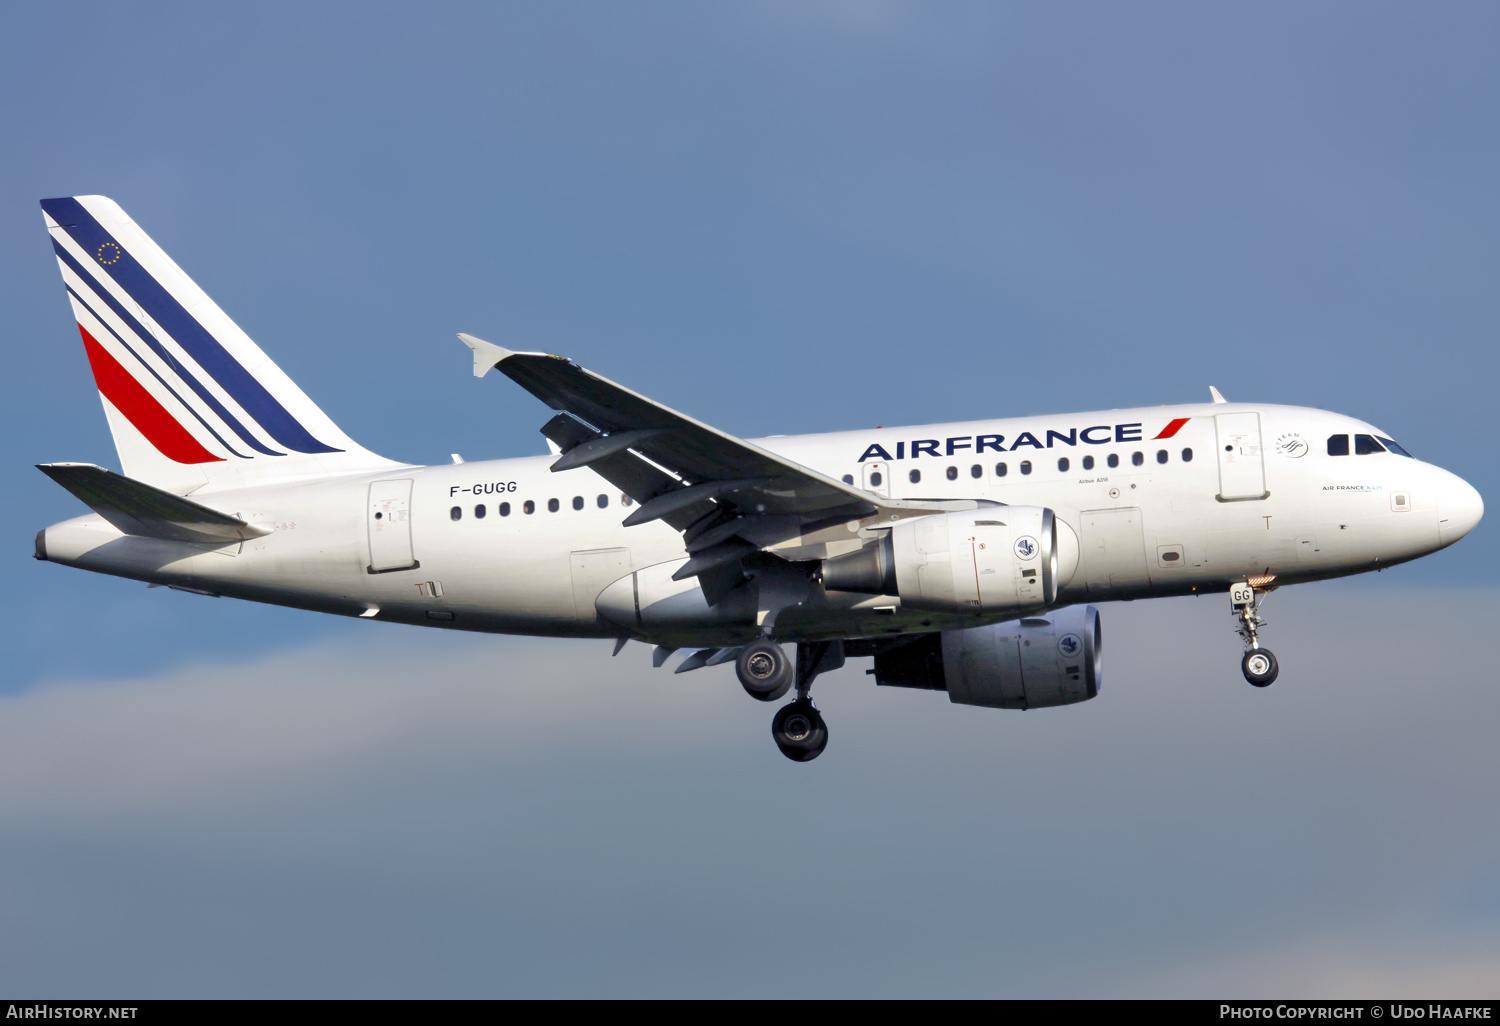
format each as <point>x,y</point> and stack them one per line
<point>694,477</point>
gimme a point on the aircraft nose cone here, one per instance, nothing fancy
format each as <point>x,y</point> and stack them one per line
<point>1460,507</point>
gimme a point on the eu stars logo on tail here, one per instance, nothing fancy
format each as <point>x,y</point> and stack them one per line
<point>190,398</point>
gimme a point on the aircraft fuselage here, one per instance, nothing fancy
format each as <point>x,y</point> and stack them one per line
<point>1154,501</point>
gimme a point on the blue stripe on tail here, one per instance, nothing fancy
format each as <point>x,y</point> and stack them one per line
<point>183,327</point>
<point>160,350</point>
<point>152,371</point>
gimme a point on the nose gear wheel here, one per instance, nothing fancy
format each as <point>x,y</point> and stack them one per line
<point>1259,667</point>
<point>1258,664</point>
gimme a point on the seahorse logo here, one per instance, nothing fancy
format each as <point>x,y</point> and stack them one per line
<point>1291,445</point>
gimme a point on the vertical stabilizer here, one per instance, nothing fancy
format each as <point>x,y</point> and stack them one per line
<point>191,401</point>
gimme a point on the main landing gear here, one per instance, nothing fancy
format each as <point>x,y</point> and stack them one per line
<point>767,674</point>
<point>1258,665</point>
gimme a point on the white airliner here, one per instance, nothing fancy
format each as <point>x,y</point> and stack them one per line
<point>959,556</point>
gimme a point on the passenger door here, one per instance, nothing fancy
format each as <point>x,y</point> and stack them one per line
<point>1242,469</point>
<point>389,516</point>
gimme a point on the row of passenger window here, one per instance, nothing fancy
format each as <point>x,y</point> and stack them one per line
<point>1364,445</point>
<point>528,507</point>
<point>1064,464</point>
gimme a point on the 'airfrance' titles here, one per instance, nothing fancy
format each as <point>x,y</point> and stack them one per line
<point>1101,434</point>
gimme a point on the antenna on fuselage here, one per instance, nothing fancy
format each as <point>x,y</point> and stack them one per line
<point>1215,393</point>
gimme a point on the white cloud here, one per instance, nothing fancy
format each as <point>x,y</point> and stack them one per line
<point>456,815</point>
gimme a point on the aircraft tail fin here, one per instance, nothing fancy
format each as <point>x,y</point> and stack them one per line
<point>191,400</point>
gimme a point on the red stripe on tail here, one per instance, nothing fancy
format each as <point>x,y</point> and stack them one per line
<point>1172,428</point>
<point>148,416</point>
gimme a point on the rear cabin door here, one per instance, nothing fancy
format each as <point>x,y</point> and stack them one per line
<point>389,516</point>
<point>1242,469</point>
<point>1113,555</point>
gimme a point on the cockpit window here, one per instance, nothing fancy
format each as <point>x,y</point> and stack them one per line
<point>1338,445</point>
<point>1393,447</point>
<point>1365,445</point>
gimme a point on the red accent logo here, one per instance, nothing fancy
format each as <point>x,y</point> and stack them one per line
<point>1172,428</point>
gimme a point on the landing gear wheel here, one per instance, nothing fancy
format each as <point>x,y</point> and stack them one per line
<point>799,731</point>
<point>764,670</point>
<point>1259,667</point>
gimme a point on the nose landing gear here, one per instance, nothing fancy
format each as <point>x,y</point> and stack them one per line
<point>1258,665</point>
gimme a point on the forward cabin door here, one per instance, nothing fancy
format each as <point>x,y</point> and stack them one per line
<point>389,517</point>
<point>1242,468</point>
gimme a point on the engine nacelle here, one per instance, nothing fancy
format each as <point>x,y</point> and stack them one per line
<point>1056,659</point>
<point>989,560</point>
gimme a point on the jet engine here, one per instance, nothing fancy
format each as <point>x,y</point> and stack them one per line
<point>989,560</point>
<point>1031,663</point>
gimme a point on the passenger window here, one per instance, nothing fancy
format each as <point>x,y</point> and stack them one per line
<point>1025,466</point>
<point>603,501</point>
<point>505,509</point>
<point>1338,445</point>
<point>1088,463</point>
<point>1393,447</point>
<point>1062,464</point>
<point>456,513</point>
<point>479,512</point>
<point>1001,470</point>
<point>1365,445</point>
<point>914,477</point>
<point>1137,458</point>
<point>1161,455</point>
<point>876,479</point>
<point>976,471</point>
<point>528,507</point>
<point>578,502</point>
<point>552,505</point>
<point>952,473</point>
<point>1187,455</point>
<point>848,479</point>
<point>625,500</point>
<point>1113,461</point>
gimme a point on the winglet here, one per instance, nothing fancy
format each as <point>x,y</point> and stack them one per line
<point>1211,389</point>
<point>486,354</point>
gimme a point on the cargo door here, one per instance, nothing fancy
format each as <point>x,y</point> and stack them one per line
<point>593,571</point>
<point>1113,556</point>
<point>1242,469</point>
<point>389,516</point>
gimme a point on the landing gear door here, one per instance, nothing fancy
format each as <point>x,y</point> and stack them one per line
<point>877,478</point>
<point>389,518</point>
<point>1242,469</point>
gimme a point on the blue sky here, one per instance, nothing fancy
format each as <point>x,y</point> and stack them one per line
<point>780,217</point>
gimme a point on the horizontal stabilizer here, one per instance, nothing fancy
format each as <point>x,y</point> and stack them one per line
<point>134,507</point>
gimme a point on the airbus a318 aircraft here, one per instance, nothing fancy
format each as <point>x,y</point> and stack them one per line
<point>961,557</point>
